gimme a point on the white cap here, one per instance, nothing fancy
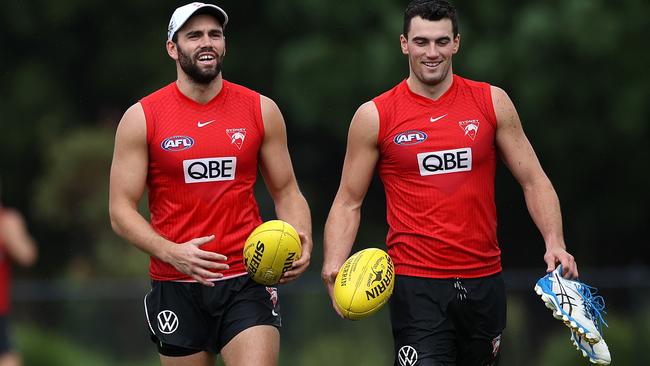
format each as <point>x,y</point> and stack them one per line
<point>182,14</point>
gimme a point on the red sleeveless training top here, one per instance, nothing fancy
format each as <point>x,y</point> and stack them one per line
<point>202,169</point>
<point>437,164</point>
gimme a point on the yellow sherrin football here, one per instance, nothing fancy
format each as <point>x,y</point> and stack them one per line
<point>270,251</point>
<point>364,283</point>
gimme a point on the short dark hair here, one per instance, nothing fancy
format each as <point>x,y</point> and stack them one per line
<point>430,10</point>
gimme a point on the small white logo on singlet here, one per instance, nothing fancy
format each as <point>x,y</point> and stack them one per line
<point>437,118</point>
<point>470,127</point>
<point>237,136</point>
<point>203,124</point>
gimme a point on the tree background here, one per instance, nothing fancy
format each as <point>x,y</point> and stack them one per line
<point>574,69</point>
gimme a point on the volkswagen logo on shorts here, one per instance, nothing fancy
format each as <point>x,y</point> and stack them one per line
<point>407,356</point>
<point>167,321</point>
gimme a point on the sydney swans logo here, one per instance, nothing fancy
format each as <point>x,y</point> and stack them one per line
<point>237,136</point>
<point>470,128</point>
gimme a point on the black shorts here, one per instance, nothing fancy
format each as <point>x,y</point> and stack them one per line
<point>448,321</point>
<point>5,336</point>
<point>188,317</point>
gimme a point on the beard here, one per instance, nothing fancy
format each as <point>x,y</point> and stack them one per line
<point>435,79</point>
<point>192,69</point>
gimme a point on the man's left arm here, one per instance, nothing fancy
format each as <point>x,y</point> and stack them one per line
<point>277,170</point>
<point>541,199</point>
<point>18,241</point>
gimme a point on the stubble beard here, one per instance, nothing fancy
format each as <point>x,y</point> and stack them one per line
<point>433,80</point>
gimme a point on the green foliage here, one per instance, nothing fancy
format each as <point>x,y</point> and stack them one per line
<point>72,199</point>
<point>333,341</point>
<point>515,344</point>
<point>74,189</point>
<point>364,349</point>
<point>323,73</point>
<point>46,348</point>
<point>41,348</point>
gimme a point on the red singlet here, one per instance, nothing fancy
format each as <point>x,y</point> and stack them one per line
<point>437,164</point>
<point>202,169</point>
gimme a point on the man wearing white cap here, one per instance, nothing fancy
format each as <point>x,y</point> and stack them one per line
<point>196,145</point>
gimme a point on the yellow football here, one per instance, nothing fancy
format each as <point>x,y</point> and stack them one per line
<point>364,283</point>
<point>270,251</point>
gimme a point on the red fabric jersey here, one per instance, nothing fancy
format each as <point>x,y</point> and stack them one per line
<point>202,169</point>
<point>437,164</point>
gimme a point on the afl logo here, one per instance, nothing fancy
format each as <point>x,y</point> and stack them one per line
<point>177,143</point>
<point>410,137</point>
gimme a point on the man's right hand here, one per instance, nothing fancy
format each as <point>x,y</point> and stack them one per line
<point>199,264</point>
<point>329,278</point>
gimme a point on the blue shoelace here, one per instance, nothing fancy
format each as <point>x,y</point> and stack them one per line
<point>594,304</point>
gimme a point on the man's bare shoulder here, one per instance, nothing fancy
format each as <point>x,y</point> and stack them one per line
<point>133,113</point>
<point>367,115</point>
<point>10,217</point>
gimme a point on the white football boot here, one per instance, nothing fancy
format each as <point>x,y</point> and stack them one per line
<point>597,353</point>
<point>574,303</point>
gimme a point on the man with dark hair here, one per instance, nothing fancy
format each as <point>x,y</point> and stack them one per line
<point>197,144</point>
<point>434,139</point>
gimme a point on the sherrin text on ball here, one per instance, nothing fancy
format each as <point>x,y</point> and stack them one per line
<point>270,250</point>
<point>364,283</point>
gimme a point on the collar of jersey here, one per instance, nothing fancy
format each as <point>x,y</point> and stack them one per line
<point>218,99</point>
<point>446,96</point>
